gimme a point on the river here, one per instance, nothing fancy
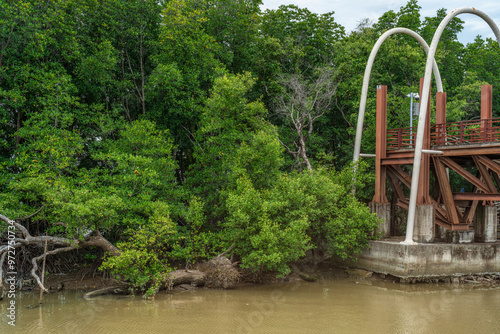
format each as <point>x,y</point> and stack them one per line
<point>329,306</point>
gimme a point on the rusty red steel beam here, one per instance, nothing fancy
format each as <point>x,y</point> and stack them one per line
<point>401,175</point>
<point>445,188</point>
<point>442,223</point>
<point>438,219</point>
<point>402,204</point>
<point>490,164</point>
<point>470,212</point>
<point>465,174</point>
<point>476,196</point>
<point>453,227</point>
<point>453,151</point>
<point>460,227</point>
<point>495,177</point>
<point>460,215</point>
<point>485,175</point>
<point>397,161</point>
<point>395,185</point>
<point>440,212</point>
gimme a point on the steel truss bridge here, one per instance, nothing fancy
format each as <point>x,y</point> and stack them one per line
<point>469,148</point>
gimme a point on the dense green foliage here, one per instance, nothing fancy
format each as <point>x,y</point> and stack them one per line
<point>302,211</point>
<point>158,123</point>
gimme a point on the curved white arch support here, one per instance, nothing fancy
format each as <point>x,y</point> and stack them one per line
<point>366,79</point>
<point>423,110</point>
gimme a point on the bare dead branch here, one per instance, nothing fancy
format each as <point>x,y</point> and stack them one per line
<point>303,102</point>
<point>35,264</point>
<point>288,149</point>
<point>342,112</point>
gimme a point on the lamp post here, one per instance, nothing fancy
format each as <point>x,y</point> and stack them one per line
<point>413,112</point>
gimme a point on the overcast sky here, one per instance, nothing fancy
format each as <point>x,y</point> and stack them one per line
<point>349,13</point>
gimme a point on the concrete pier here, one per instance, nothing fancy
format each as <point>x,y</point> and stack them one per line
<point>430,260</point>
<point>485,224</point>
<point>383,211</point>
<point>423,231</point>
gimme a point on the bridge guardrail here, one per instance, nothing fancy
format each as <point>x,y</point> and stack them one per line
<point>451,133</point>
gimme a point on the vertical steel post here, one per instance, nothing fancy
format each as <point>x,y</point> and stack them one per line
<point>486,110</point>
<point>423,191</point>
<point>381,145</point>
<point>441,118</point>
<point>411,120</point>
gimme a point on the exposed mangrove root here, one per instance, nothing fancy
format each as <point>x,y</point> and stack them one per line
<point>35,264</point>
<point>61,244</point>
<point>220,273</point>
<point>217,273</point>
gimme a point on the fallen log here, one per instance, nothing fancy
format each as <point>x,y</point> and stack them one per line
<point>117,289</point>
<point>193,277</point>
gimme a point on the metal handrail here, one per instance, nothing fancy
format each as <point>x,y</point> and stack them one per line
<point>451,133</point>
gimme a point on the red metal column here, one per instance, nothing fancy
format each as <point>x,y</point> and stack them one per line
<point>423,188</point>
<point>486,110</point>
<point>380,145</point>
<point>441,118</point>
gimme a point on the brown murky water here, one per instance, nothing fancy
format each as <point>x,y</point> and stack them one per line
<point>338,306</point>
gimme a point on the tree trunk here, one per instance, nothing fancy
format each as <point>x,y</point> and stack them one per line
<point>302,152</point>
<point>99,241</point>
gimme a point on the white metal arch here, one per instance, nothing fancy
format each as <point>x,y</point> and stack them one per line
<point>423,109</point>
<point>368,71</point>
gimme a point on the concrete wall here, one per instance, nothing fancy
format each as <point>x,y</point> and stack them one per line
<point>430,260</point>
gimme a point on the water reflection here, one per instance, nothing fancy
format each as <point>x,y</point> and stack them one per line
<point>339,306</point>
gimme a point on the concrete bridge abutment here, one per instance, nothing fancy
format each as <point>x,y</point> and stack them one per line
<point>485,224</point>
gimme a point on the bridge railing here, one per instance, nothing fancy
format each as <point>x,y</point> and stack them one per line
<point>402,138</point>
<point>452,133</point>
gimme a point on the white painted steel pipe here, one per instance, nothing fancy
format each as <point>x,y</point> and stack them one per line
<point>368,71</point>
<point>433,152</point>
<point>423,110</point>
